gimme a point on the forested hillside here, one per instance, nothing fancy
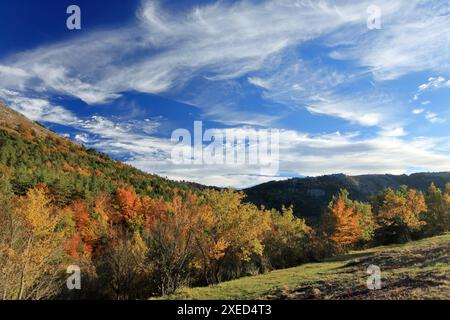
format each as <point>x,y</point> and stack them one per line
<point>135,235</point>
<point>32,154</point>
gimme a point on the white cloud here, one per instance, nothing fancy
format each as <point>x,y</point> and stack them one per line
<point>12,77</point>
<point>57,78</point>
<point>228,115</point>
<point>435,83</point>
<point>259,82</point>
<point>393,132</point>
<point>434,118</point>
<point>414,38</point>
<point>82,138</point>
<point>6,71</point>
<point>418,111</point>
<point>365,113</point>
<point>37,109</point>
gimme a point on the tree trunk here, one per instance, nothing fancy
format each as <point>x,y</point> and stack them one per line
<point>22,276</point>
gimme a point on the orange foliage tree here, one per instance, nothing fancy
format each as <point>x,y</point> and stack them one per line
<point>129,205</point>
<point>171,235</point>
<point>82,243</point>
<point>347,229</point>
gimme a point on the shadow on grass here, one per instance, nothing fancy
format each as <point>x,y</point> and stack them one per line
<point>349,256</point>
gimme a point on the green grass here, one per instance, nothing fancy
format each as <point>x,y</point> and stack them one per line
<point>416,270</point>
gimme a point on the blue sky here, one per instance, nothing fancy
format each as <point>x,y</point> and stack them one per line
<point>346,98</point>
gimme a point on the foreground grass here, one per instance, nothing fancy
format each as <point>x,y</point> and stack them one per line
<point>417,270</point>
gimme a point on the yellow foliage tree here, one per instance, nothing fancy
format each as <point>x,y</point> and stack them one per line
<point>35,250</point>
<point>236,235</point>
<point>400,213</point>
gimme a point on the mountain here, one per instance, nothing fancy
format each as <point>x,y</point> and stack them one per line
<point>31,154</point>
<point>311,195</point>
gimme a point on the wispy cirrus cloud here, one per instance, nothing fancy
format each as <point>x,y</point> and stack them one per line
<point>299,84</point>
<point>434,83</point>
<point>434,117</point>
<point>164,50</point>
<point>414,39</point>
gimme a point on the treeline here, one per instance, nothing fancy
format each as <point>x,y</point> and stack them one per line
<point>392,216</point>
<point>132,246</point>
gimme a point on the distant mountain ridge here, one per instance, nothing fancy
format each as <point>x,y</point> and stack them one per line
<point>311,195</point>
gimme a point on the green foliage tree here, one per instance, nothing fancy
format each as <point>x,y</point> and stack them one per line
<point>438,214</point>
<point>288,241</point>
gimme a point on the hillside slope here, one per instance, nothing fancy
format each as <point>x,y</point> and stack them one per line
<point>417,270</point>
<point>30,154</point>
<point>311,195</point>
<point>12,119</point>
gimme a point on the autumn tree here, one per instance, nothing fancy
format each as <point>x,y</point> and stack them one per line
<point>236,236</point>
<point>130,207</point>
<point>87,233</point>
<point>347,228</point>
<point>399,215</point>
<point>170,238</point>
<point>34,248</point>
